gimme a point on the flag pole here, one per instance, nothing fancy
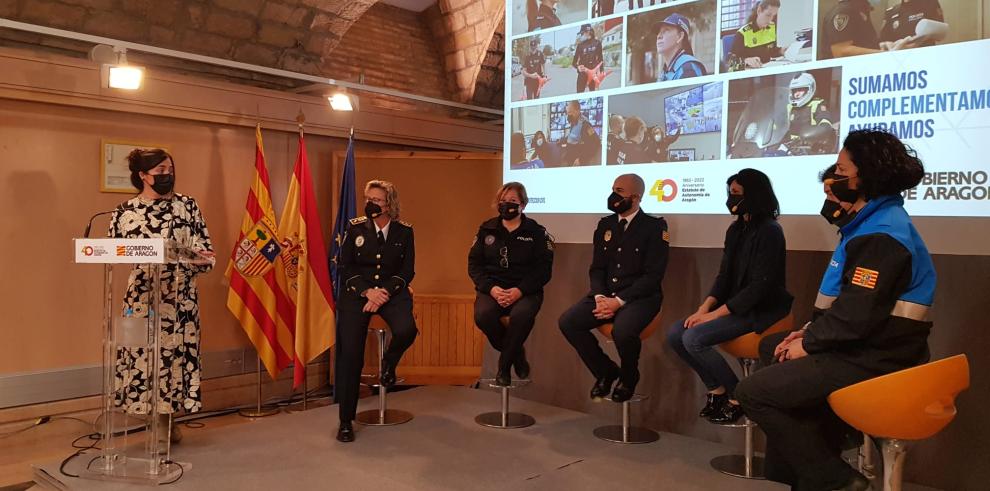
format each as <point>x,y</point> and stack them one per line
<point>258,412</point>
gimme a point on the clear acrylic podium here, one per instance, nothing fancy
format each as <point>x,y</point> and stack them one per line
<point>126,452</point>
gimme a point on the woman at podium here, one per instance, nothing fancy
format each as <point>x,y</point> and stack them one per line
<point>158,211</point>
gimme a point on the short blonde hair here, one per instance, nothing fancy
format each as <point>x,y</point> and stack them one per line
<point>512,186</point>
<point>391,196</point>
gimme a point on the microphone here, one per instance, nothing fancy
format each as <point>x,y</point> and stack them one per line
<point>90,224</point>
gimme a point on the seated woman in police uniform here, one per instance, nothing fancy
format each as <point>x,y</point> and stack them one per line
<point>376,265</point>
<point>756,41</point>
<point>749,294</point>
<point>510,261</point>
<point>870,316</point>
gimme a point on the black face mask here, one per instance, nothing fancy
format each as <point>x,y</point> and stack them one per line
<point>735,204</point>
<point>835,214</point>
<point>840,189</point>
<point>618,204</point>
<point>507,210</point>
<point>164,183</point>
<point>372,210</point>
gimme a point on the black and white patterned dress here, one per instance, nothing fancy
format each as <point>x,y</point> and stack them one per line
<point>179,370</point>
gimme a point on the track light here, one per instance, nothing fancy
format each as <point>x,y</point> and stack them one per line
<point>341,101</point>
<point>120,75</point>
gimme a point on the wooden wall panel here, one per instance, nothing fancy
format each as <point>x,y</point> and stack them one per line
<point>449,347</point>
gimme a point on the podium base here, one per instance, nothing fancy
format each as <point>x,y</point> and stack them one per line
<point>134,470</point>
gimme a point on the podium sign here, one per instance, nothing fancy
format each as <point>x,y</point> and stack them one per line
<point>120,251</point>
<point>145,458</point>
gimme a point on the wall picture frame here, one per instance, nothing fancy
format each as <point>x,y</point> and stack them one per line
<point>115,177</point>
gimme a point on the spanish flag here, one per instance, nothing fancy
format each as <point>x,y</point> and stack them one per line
<point>305,275</point>
<point>255,298</point>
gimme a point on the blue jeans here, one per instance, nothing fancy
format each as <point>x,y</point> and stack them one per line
<point>696,346</point>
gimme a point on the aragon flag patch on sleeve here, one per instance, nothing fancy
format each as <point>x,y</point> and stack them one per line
<point>866,278</point>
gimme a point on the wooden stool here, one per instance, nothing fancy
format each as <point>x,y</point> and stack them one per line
<point>746,349</point>
<point>902,407</point>
<point>625,433</point>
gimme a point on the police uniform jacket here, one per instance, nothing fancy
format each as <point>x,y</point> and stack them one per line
<point>545,18</point>
<point>629,265</point>
<point>588,54</point>
<point>534,64</point>
<point>751,276</point>
<point>520,259</point>
<point>872,306</point>
<point>760,43</point>
<point>901,20</point>
<point>849,20</point>
<point>365,263</point>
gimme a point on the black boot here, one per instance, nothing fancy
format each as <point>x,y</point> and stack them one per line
<point>345,433</point>
<point>603,385</point>
<point>626,388</point>
<point>521,365</point>
<point>387,378</point>
<point>714,402</point>
<point>503,378</point>
<point>729,413</point>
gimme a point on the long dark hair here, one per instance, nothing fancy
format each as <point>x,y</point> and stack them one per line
<point>885,164</point>
<point>761,5</point>
<point>761,202</point>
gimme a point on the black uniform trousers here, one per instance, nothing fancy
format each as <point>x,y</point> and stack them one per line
<point>578,321</point>
<point>352,334</point>
<point>508,341</point>
<point>789,401</point>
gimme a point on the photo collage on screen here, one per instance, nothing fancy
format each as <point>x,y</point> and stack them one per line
<point>618,82</point>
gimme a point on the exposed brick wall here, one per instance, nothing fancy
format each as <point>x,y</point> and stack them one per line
<point>392,48</point>
<point>489,90</point>
<point>465,29</point>
<point>290,34</point>
<point>349,40</point>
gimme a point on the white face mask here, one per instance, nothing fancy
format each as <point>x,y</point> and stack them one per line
<point>539,142</point>
<point>658,137</point>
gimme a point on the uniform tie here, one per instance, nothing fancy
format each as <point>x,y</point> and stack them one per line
<point>381,239</point>
<point>622,228</point>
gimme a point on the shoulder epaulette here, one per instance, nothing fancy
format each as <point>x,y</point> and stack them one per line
<point>358,220</point>
<point>405,223</point>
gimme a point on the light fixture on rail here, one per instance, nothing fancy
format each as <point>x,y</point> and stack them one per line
<point>342,101</point>
<point>115,72</point>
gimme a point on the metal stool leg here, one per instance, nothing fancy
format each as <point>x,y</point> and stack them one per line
<point>748,465</point>
<point>383,416</point>
<point>894,454</point>
<point>626,433</point>
<point>504,419</point>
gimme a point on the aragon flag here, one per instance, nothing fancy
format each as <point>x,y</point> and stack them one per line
<point>306,275</point>
<point>254,297</point>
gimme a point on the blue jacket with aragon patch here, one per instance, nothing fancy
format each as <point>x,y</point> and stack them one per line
<point>872,306</point>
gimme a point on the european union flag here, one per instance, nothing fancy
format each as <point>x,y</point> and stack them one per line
<point>346,210</point>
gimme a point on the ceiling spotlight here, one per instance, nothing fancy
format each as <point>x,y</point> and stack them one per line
<point>120,75</point>
<point>341,102</point>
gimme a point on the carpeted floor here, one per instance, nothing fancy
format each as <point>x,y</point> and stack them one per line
<point>442,448</point>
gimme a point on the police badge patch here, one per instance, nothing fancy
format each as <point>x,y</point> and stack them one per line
<point>840,21</point>
<point>489,240</point>
<point>608,235</point>
<point>359,241</point>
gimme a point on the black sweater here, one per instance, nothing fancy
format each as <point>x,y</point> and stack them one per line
<point>751,278</point>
